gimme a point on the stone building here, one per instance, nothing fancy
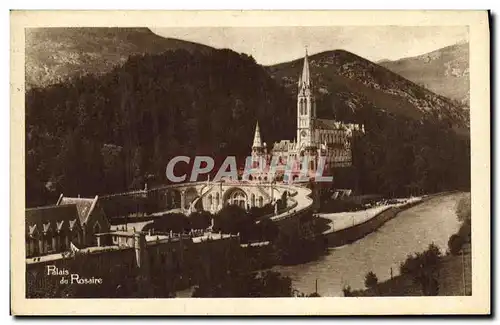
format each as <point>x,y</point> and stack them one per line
<point>91,215</point>
<point>51,229</point>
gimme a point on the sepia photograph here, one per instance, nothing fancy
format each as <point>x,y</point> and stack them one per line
<point>255,161</point>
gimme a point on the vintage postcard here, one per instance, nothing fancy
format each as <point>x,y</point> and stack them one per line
<point>202,162</point>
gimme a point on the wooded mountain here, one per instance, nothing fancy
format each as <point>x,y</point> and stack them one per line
<point>444,71</point>
<point>104,133</point>
<point>55,54</point>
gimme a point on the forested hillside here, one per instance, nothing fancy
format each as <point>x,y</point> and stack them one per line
<point>105,133</point>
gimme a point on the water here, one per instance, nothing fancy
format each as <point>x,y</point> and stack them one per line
<point>411,231</point>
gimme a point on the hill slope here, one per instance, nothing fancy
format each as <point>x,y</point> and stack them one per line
<point>348,85</point>
<point>55,54</point>
<point>444,71</point>
<point>104,133</point>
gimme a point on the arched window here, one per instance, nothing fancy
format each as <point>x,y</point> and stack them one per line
<point>210,201</point>
<point>252,199</point>
<point>238,198</point>
<point>261,201</point>
<point>217,199</point>
<point>305,107</point>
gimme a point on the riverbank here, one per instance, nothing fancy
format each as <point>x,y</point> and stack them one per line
<point>455,279</point>
<point>431,221</point>
<point>346,227</point>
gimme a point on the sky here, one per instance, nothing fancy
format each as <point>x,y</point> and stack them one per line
<point>271,45</point>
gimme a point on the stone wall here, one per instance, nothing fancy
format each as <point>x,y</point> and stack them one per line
<point>148,269</point>
<point>351,234</point>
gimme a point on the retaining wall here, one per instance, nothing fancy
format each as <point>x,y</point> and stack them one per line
<point>351,234</point>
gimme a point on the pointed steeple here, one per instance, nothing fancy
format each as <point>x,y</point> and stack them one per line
<point>305,78</point>
<point>257,142</point>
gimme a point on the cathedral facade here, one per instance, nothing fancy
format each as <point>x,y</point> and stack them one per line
<point>315,138</point>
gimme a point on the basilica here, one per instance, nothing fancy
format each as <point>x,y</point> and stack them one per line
<point>315,137</point>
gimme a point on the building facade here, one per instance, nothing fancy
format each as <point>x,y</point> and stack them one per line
<point>51,229</point>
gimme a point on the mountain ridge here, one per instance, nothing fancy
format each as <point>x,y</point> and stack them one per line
<point>444,71</point>
<point>54,55</point>
<point>347,82</point>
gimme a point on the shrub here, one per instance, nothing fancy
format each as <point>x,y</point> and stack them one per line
<point>371,280</point>
<point>347,291</point>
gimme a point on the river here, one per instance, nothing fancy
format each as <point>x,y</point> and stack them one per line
<point>411,231</point>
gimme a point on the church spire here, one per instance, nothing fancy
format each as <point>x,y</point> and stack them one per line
<point>257,142</point>
<point>305,78</point>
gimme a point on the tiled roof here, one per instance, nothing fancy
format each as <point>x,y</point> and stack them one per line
<point>50,218</point>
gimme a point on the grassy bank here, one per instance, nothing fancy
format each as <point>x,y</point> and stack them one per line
<point>443,275</point>
<point>450,278</point>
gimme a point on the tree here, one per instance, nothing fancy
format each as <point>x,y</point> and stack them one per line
<point>253,284</point>
<point>200,219</point>
<point>455,244</point>
<point>423,268</point>
<point>175,222</point>
<point>371,280</point>
<point>269,229</point>
<point>231,219</point>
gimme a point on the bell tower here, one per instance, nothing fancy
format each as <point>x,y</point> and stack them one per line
<point>306,108</point>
